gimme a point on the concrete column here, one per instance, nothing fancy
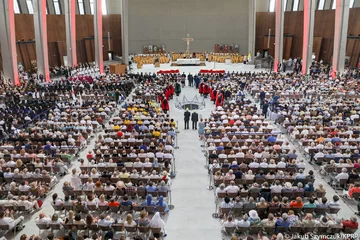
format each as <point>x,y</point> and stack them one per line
<point>125,31</point>
<point>98,35</point>
<point>279,33</point>
<point>340,37</point>
<point>42,56</point>
<point>70,22</point>
<point>308,35</point>
<point>8,41</point>
<point>252,29</point>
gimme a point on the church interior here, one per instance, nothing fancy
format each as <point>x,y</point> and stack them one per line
<point>176,119</point>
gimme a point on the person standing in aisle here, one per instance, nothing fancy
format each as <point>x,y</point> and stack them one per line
<point>187,118</point>
<point>194,119</point>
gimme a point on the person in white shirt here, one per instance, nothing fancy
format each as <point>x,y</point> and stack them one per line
<point>254,164</point>
<point>24,187</point>
<point>258,154</point>
<point>228,223</point>
<point>7,218</point>
<point>277,187</point>
<point>300,164</point>
<point>147,163</point>
<point>240,154</point>
<point>29,205</point>
<point>168,155</point>
<point>232,188</point>
<point>105,221</point>
<point>42,219</point>
<point>109,187</point>
<point>11,163</point>
<point>340,176</point>
<point>222,154</point>
<point>263,164</point>
<point>319,155</point>
<point>281,164</point>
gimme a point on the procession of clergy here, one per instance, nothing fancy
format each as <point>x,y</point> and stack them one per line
<point>218,93</point>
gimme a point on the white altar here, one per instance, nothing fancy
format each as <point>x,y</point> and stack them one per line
<point>188,61</point>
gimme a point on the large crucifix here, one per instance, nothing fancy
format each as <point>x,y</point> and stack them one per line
<point>188,39</point>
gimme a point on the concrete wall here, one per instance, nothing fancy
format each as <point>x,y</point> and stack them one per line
<point>262,5</point>
<point>114,6</point>
<point>209,22</point>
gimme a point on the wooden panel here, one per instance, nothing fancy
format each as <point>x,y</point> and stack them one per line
<point>61,48</point>
<point>293,25</point>
<point>355,53</point>
<point>354,22</point>
<point>271,45</point>
<point>112,24</point>
<point>287,47</point>
<point>56,28</point>
<point>89,50</point>
<point>24,27</point>
<point>264,22</point>
<point>316,47</point>
<point>326,51</point>
<point>25,54</point>
<point>84,26</point>
<point>81,51</point>
<point>54,59</point>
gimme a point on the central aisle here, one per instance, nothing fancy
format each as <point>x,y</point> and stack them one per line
<point>194,204</point>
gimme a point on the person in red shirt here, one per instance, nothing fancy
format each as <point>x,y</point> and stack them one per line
<point>90,155</point>
<point>297,203</point>
<point>352,223</point>
<point>113,203</point>
<point>354,189</point>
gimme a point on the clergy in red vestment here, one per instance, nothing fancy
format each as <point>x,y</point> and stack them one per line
<point>165,105</point>
<point>201,85</point>
<point>206,90</point>
<point>219,99</point>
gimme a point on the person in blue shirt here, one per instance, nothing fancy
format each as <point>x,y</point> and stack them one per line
<point>161,203</point>
<point>126,201</point>
<point>271,139</point>
<point>282,222</point>
<point>150,188</point>
<point>262,97</point>
<point>143,147</point>
<point>309,187</point>
<point>149,201</point>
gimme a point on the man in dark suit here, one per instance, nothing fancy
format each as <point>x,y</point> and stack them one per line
<point>194,119</point>
<point>191,80</point>
<point>187,118</point>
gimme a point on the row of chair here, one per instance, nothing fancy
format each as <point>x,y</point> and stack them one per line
<point>112,209</point>
<point>116,227</point>
<point>294,230</point>
<point>279,210</point>
<point>241,181</point>
<point>289,195</point>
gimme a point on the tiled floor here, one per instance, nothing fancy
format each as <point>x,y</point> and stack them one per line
<point>194,204</point>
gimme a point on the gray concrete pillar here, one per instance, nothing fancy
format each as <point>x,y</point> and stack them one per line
<point>279,33</point>
<point>42,56</point>
<point>70,23</point>
<point>125,31</point>
<point>340,36</point>
<point>8,41</point>
<point>308,34</point>
<point>98,35</point>
<point>252,29</point>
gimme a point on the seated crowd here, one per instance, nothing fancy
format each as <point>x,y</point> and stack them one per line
<point>261,184</point>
